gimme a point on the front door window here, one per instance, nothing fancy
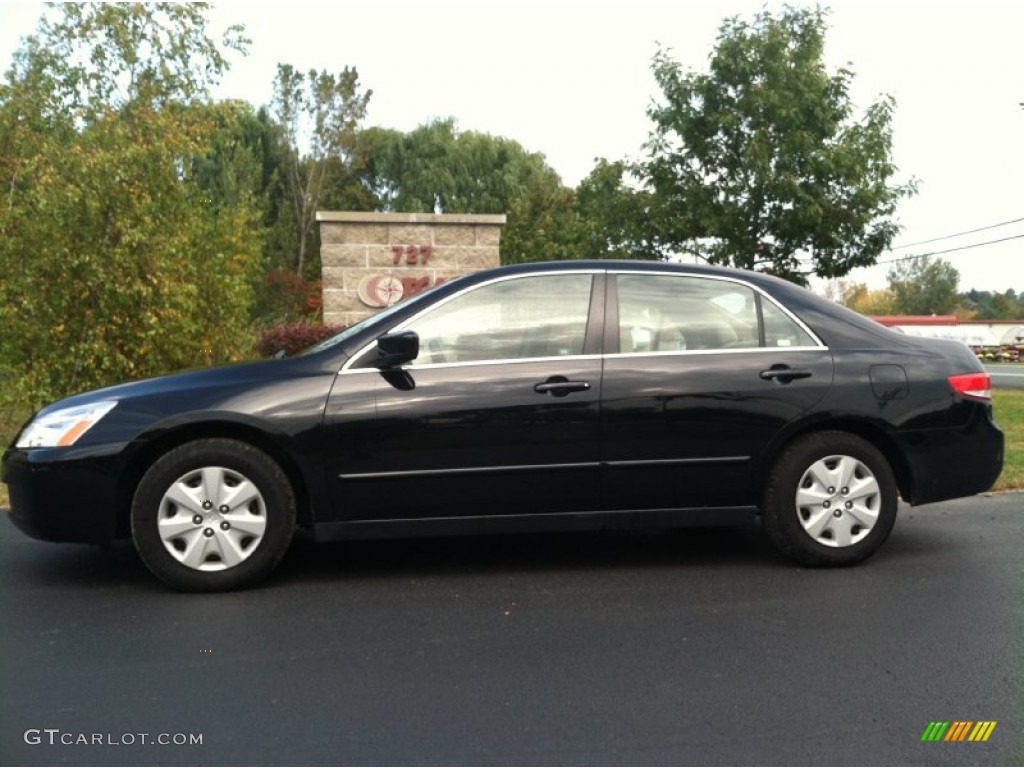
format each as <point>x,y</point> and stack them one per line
<point>521,318</point>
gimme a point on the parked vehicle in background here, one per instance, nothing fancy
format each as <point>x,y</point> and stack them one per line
<point>547,396</point>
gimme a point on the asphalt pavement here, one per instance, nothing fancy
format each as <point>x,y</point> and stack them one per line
<point>641,648</point>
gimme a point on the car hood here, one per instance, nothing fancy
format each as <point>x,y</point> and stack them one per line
<point>199,385</point>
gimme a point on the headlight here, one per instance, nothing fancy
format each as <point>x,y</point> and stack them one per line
<point>63,427</point>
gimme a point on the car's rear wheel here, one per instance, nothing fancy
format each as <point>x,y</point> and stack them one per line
<point>830,499</point>
<point>213,515</point>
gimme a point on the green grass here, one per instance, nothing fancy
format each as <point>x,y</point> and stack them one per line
<point>1009,410</point>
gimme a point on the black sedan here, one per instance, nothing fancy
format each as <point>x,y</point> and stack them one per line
<point>548,396</point>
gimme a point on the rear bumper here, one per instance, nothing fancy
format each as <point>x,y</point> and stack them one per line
<point>64,494</point>
<point>953,463</point>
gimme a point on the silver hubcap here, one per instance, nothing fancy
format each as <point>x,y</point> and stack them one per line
<point>212,518</point>
<point>838,501</point>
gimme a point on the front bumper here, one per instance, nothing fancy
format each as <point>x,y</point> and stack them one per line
<point>64,494</point>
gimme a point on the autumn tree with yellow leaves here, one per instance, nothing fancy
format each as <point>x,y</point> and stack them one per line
<point>116,262</point>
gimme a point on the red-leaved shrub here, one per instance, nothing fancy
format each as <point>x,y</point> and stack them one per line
<point>286,294</point>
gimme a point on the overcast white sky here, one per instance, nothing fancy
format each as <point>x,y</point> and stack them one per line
<point>572,80</point>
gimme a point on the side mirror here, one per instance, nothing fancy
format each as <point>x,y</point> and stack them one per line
<point>397,348</point>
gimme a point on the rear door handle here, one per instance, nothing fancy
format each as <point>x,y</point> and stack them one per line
<point>559,386</point>
<point>784,374</point>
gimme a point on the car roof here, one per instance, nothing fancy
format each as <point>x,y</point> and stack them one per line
<point>618,264</point>
<point>775,285</point>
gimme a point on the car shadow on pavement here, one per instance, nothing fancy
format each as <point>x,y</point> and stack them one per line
<point>510,553</point>
<point>30,564</point>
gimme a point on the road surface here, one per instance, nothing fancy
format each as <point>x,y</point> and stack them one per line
<point>655,648</point>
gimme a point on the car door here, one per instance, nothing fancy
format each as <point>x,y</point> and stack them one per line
<point>708,371</point>
<point>497,416</point>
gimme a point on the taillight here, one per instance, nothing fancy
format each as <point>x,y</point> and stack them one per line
<point>975,386</point>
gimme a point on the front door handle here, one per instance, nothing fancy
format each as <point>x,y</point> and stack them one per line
<point>560,386</point>
<point>784,374</point>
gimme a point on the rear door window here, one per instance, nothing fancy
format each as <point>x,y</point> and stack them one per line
<point>674,313</point>
<point>670,313</point>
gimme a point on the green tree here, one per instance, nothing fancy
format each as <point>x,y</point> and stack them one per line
<point>319,114</point>
<point>233,170</point>
<point>542,225</point>
<point>987,305</point>
<point>436,168</point>
<point>759,163</point>
<point>1007,305</point>
<point>921,286</point>
<point>613,216</point>
<point>115,261</point>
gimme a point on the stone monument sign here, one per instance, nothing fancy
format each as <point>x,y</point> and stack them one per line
<point>373,260</point>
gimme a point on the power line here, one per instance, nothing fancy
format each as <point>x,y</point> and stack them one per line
<point>951,250</point>
<point>956,234</point>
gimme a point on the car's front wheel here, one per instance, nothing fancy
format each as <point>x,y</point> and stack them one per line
<point>830,499</point>
<point>213,515</point>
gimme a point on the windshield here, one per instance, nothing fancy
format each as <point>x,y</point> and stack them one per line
<point>365,323</point>
<point>351,331</point>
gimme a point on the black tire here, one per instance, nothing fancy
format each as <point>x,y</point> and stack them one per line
<point>840,530</point>
<point>247,528</point>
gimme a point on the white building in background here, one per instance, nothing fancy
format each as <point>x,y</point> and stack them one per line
<point>972,336</point>
<point>974,333</point>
